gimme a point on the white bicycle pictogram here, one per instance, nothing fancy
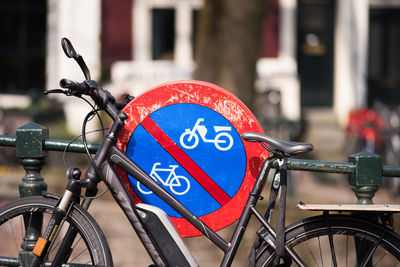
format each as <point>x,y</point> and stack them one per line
<point>223,141</point>
<point>178,184</point>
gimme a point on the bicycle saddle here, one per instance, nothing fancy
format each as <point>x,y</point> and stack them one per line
<point>287,148</point>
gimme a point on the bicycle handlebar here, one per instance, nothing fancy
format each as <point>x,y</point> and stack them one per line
<point>103,98</point>
<point>74,87</point>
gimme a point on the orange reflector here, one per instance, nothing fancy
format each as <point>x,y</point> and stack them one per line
<point>40,244</point>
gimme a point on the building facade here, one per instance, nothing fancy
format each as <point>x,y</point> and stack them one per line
<point>339,54</point>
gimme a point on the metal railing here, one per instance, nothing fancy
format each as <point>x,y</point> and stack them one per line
<point>32,142</point>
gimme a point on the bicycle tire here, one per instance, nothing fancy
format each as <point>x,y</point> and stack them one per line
<point>90,246</point>
<point>309,239</point>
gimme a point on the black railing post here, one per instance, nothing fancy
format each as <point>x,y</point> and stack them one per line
<point>365,181</point>
<point>31,153</point>
<point>366,177</point>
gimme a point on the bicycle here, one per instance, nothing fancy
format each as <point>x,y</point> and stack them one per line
<point>66,221</point>
<point>376,130</point>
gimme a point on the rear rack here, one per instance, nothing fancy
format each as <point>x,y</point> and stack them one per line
<point>349,207</point>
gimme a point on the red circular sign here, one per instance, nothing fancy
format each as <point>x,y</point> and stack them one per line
<point>203,98</point>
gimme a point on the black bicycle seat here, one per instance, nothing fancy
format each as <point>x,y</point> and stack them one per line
<point>287,148</point>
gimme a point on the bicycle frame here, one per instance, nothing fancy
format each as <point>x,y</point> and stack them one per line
<point>109,156</point>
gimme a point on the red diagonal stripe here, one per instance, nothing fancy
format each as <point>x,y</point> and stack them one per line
<point>185,161</point>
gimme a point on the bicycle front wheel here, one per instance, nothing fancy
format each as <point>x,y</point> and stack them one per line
<point>23,220</point>
<point>338,240</point>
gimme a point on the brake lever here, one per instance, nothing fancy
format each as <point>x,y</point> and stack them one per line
<point>67,92</point>
<point>56,91</point>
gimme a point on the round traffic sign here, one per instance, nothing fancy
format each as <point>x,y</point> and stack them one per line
<point>186,136</point>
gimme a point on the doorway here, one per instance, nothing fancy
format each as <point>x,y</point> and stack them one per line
<point>384,56</point>
<point>315,24</point>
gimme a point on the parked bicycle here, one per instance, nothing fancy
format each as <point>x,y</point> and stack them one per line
<point>376,130</point>
<point>391,115</point>
<point>71,237</point>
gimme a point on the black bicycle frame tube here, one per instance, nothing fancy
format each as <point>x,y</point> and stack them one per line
<point>245,217</point>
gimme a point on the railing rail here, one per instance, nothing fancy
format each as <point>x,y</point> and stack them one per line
<point>53,145</point>
<point>7,140</point>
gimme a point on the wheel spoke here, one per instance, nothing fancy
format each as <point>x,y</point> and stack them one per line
<point>320,251</point>
<point>13,234</point>
<point>372,250</point>
<point>78,255</point>
<point>77,242</point>
<point>347,249</point>
<point>311,253</point>
<point>54,246</point>
<point>21,223</point>
<point>381,258</point>
<point>332,247</point>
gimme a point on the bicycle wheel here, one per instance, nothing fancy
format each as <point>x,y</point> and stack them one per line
<point>22,220</point>
<point>352,240</point>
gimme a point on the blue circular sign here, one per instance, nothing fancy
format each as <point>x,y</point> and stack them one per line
<point>186,136</point>
<point>208,139</point>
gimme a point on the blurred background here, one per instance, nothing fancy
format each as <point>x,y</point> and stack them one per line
<point>319,71</point>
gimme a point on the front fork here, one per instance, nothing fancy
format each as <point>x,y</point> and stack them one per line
<point>60,212</point>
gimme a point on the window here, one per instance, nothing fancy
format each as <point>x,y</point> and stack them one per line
<point>22,48</point>
<point>163,32</point>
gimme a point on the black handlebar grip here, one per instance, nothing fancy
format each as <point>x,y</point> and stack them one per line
<point>74,86</point>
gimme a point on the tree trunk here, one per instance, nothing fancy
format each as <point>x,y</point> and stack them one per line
<point>228,45</point>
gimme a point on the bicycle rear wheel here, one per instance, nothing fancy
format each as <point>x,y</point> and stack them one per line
<point>23,220</point>
<point>352,240</point>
